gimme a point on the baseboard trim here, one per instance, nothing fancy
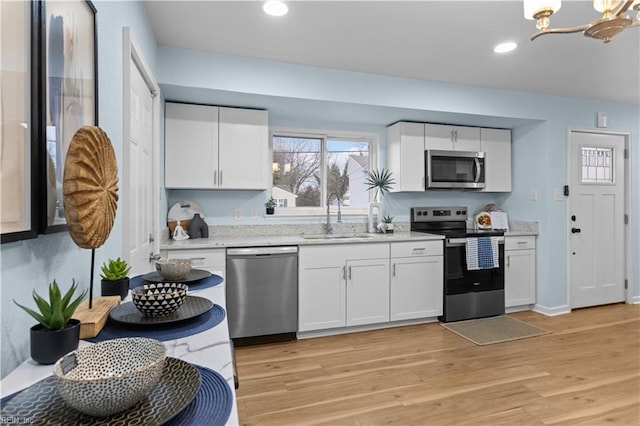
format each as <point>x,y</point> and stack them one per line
<point>635,300</point>
<point>366,327</point>
<point>552,311</point>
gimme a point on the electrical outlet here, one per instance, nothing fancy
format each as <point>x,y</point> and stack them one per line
<point>254,213</point>
<point>236,214</point>
<point>558,194</point>
<point>534,195</point>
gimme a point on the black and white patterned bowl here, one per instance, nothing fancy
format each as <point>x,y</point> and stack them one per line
<point>159,299</point>
<point>110,376</point>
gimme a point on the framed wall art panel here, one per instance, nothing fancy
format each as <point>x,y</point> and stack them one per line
<point>18,157</point>
<point>68,60</point>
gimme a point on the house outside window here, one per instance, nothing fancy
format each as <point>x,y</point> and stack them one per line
<point>308,166</point>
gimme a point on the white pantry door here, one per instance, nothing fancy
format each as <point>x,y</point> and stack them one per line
<point>596,218</point>
<point>141,176</point>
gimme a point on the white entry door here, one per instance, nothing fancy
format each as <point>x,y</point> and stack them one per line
<point>596,218</point>
<point>141,169</point>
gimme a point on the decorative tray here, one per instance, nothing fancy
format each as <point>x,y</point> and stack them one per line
<point>193,306</point>
<point>41,404</point>
<point>193,275</point>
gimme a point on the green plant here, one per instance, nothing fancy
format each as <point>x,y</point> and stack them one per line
<point>380,180</point>
<point>271,203</point>
<point>55,313</point>
<point>387,219</point>
<point>114,270</point>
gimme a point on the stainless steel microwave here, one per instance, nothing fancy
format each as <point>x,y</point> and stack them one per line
<point>454,169</point>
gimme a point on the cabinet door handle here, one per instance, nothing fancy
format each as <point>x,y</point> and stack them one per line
<point>344,272</point>
<point>215,177</point>
<point>220,177</point>
<point>508,260</point>
<point>393,270</point>
<point>349,272</point>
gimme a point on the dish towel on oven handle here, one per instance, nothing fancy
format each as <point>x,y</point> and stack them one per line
<point>482,253</point>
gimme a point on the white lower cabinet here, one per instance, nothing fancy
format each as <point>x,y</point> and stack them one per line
<point>340,285</point>
<point>367,291</point>
<point>417,274</point>
<point>212,260</point>
<point>519,271</point>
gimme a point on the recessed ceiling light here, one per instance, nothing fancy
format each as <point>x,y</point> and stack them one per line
<point>275,8</point>
<point>505,47</point>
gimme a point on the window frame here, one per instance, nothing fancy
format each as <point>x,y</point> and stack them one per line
<point>324,135</point>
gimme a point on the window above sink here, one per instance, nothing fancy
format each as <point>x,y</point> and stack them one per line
<point>308,165</point>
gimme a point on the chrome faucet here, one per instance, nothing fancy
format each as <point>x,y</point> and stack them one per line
<point>327,227</point>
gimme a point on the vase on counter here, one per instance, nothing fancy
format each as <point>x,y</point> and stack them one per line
<point>198,228</point>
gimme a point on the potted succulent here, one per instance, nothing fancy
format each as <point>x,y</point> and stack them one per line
<point>388,222</point>
<point>270,205</point>
<point>57,333</point>
<point>115,281</point>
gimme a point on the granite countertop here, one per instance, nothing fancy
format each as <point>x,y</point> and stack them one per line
<point>223,241</point>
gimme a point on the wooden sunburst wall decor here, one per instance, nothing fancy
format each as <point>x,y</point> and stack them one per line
<point>90,187</point>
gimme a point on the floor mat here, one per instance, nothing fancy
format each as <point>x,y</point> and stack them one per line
<point>487,331</point>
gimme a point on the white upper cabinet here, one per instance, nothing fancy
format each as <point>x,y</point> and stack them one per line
<point>496,144</point>
<point>405,155</point>
<point>209,147</point>
<point>452,138</point>
<point>244,149</point>
<point>191,146</point>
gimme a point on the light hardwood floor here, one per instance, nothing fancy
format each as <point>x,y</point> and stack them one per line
<point>586,372</point>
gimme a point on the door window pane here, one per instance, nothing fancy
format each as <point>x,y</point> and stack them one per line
<point>597,164</point>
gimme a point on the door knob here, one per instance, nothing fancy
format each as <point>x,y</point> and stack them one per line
<point>575,230</point>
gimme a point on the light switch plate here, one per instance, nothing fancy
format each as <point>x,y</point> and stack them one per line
<point>602,119</point>
<point>558,194</point>
<point>237,214</point>
<point>534,195</point>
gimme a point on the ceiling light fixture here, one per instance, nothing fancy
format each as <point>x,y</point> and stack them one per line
<point>505,47</point>
<point>614,18</point>
<point>275,8</point>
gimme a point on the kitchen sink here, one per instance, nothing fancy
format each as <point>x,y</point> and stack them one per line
<point>337,236</point>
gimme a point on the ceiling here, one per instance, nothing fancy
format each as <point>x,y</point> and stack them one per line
<point>446,41</point>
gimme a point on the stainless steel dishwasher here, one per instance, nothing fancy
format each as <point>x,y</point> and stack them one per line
<point>262,294</point>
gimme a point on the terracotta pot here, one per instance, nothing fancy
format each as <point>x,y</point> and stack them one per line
<point>115,288</point>
<point>48,346</point>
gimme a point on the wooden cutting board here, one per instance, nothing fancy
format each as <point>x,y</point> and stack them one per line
<point>93,320</point>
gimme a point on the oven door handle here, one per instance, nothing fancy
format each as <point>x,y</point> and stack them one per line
<point>456,242</point>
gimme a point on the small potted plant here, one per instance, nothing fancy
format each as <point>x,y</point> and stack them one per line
<point>115,281</point>
<point>270,205</point>
<point>388,222</point>
<point>57,333</point>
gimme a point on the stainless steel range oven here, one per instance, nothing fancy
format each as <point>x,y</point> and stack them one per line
<point>468,292</point>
